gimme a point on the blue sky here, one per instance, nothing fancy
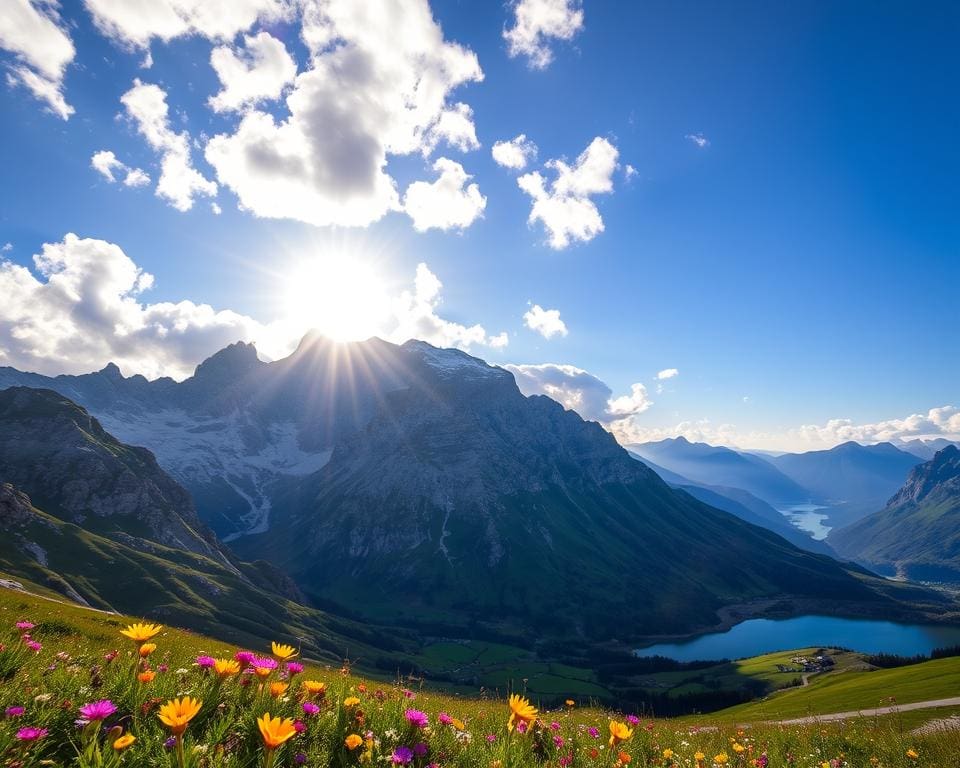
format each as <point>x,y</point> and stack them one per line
<point>801,266</point>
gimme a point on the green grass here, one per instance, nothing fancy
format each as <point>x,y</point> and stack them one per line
<point>852,690</point>
<point>70,670</point>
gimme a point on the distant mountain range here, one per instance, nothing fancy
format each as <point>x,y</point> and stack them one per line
<point>917,534</point>
<point>408,485</point>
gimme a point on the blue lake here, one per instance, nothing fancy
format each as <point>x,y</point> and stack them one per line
<point>757,636</point>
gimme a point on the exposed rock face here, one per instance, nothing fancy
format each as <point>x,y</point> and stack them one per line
<point>917,534</point>
<point>59,454</point>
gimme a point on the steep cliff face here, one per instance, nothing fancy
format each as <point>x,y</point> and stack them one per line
<point>55,451</point>
<point>917,534</point>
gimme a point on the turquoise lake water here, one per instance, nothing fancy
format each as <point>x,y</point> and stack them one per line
<point>757,636</point>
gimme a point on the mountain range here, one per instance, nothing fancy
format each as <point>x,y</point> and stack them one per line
<point>413,486</point>
<point>917,534</point>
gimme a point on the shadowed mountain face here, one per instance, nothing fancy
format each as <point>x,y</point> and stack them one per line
<point>917,534</point>
<point>849,472</point>
<point>406,481</point>
<point>710,465</point>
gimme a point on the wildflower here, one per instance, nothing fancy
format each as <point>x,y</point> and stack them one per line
<point>314,687</point>
<point>420,749</point>
<point>554,726</point>
<point>108,657</point>
<point>633,720</point>
<point>34,646</point>
<point>668,754</point>
<point>444,718</point>
<point>299,758</point>
<point>624,758</point>
<point>226,667</point>
<point>31,734</point>
<point>262,667</point>
<point>278,689</point>
<point>25,625</point>
<point>283,652</point>
<point>351,701</point>
<point>14,711</point>
<point>244,657</point>
<point>721,759</point>
<point>913,754</point>
<point>520,709</point>
<point>408,694</point>
<point>402,756</point>
<point>619,732</point>
<point>124,741</point>
<point>275,730</point>
<point>569,702</point>
<point>594,732</point>
<point>491,737</point>
<point>206,662</point>
<point>416,718</point>
<point>146,676</point>
<point>738,748</point>
<point>176,714</point>
<point>299,726</point>
<point>310,708</point>
<point>522,727</point>
<point>558,742</point>
<point>146,649</point>
<point>352,741</point>
<point>294,668</point>
<point>141,633</point>
<point>98,710</point>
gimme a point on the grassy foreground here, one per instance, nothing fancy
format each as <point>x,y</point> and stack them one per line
<point>72,658</point>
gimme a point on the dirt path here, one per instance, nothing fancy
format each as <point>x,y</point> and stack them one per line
<point>932,704</point>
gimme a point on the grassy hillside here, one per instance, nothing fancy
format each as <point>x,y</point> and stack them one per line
<point>70,670</point>
<point>854,690</point>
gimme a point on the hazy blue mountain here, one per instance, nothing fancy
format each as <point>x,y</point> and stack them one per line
<point>917,534</point>
<point>924,449</point>
<point>850,472</point>
<point>712,465</point>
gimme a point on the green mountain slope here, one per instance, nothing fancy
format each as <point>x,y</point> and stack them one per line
<point>917,535</point>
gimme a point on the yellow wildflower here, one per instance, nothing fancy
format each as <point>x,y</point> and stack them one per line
<point>275,730</point>
<point>226,667</point>
<point>176,714</point>
<point>353,741</point>
<point>520,709</point>
<point>124,741</point>
<point>619,732</point>
<point>283,652</point>
<point>141,633</point>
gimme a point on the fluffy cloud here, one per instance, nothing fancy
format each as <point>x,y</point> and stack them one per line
<point>82,307</point>
<point>454,127</point>
<point>415,316</point>
<point>134,24</point>
<point>378,84</point>
<point>564,206</point>
<point>699,139</point>
<point>537,23</point>
<point>146,104</point>
<point>447,203</point>
<point>33,33</point>
<point>514,154</point>
<point>578,390</point>
<point>108,166</point>
<point>546,322</point>
<point>668,373</point>
<point>255,73</point>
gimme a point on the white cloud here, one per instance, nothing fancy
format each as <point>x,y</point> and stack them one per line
<point>564,206</point>
<point>378,84</point>
<point>146,104</point>
<point>415,317</point>
<point>133,23</point>
<point>107,165</point>
<point>7,247</point>
<point>668,373</point>
<point>447,203</point>
<point>255,73</point>
<point>454,127</point>
<point>546,322</point>
<point>33,33</point>
<point>537,23</point>
<point>217,210</point>
<point>629,172</point>
<point>578,390</point>
<point>514,154</point>
<point>81,307</point>
<point>699,139</point>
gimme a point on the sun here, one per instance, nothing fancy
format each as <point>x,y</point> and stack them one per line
<point>340,296</point>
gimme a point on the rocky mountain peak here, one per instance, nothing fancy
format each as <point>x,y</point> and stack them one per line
<point>939,475</point>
